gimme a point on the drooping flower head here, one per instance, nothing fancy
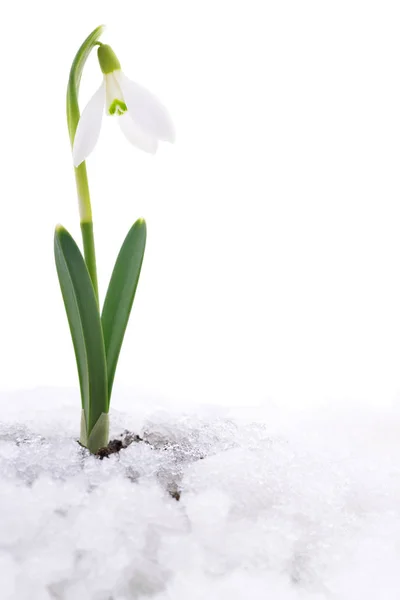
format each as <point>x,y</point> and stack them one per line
<point>142,118</point>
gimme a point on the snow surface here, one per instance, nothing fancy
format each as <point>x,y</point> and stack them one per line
<point>273,506</point>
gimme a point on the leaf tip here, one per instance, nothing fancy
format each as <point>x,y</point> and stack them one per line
<point>60,229</point>
<point>140,223</point>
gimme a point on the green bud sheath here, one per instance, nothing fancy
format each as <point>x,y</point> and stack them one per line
<point>98,437</point>
<point>107,59</point>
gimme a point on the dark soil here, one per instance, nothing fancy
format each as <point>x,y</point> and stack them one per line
<point>115,446</point>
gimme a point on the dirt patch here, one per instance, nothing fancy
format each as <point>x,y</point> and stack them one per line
<point>115,446</point>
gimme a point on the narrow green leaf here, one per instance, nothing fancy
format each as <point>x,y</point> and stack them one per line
<point>74,81</point>
<point>85,325</point>
<point>120,295</point>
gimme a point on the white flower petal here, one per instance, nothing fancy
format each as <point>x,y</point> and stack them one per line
<point>136,135</point>
<point>146,109</point>
<point>88,130</point>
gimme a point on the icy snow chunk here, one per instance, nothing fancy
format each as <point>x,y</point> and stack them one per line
<point>190,436</point>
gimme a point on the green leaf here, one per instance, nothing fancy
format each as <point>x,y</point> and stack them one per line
<point>85,325</point>
<point>74,81</point>
<point>120,295</point>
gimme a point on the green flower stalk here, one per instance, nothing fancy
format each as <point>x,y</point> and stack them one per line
<point>82,186</point>
<point>97,337</point>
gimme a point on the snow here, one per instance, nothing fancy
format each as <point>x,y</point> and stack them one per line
<point>273,505</point>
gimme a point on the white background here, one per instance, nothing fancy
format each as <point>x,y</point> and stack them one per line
<point>272,270</point>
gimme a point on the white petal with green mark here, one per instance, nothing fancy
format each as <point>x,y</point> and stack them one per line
<point>88,130</point>
<point>148,112</point>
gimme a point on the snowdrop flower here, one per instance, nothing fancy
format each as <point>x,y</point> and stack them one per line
<point>142,118</point>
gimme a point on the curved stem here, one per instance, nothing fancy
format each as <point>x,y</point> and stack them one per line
<point>73,115</point>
